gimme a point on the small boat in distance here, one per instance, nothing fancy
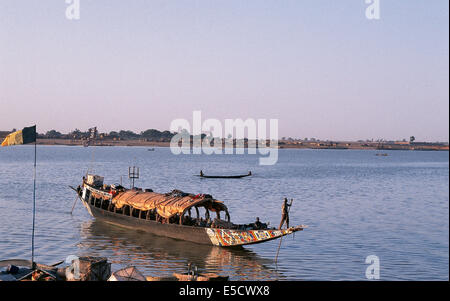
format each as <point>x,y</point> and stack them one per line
<point>170,214</point>
<point>151,149</point>
<point>224,177</point>
<point>381,154</point>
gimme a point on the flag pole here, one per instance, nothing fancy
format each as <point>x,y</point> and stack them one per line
<point>33,265</point>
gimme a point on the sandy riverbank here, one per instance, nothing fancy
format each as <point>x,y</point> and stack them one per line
<point>282,145</point>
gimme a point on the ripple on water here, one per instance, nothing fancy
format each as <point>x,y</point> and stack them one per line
<point>356,204</point>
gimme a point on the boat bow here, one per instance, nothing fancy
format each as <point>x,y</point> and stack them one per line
<point>230,238</point>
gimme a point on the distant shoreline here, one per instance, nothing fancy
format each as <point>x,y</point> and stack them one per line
<point>281,144</point>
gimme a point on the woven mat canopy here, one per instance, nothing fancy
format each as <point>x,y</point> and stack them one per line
<point>166,205</point>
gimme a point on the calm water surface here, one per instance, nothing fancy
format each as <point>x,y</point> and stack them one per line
<point>356,204</point>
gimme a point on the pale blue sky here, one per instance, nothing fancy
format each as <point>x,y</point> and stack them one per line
<point>319,66</point>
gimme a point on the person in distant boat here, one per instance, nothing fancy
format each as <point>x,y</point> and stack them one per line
<point>201,173</point>
<point>285,213</point>
<point>249,173</point>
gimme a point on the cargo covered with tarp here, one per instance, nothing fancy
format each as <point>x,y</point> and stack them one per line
<point>94,180</point>
<point>166,205</point>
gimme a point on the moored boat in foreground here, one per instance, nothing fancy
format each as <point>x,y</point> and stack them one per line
<point>171,215</point>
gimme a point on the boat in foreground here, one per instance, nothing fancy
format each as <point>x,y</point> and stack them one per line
<point>171,215</point>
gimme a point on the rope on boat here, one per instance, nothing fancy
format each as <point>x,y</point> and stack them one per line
<point>78,197</point>
<point>74,203</point>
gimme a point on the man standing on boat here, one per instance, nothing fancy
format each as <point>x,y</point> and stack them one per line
<point>285,213</point>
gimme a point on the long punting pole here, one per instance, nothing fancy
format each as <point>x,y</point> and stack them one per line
<point>34,207</point>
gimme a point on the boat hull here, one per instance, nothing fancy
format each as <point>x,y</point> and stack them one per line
<point>200,235</point>
<point>230,237</point>
<point>193,234</point>
<point>224,177</point>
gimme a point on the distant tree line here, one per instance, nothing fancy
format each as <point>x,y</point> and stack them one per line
<point>148,135</point>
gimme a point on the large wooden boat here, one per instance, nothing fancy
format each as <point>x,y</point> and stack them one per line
<point>171,215</point>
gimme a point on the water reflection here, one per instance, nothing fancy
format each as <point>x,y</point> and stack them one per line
<point>160,256</point>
